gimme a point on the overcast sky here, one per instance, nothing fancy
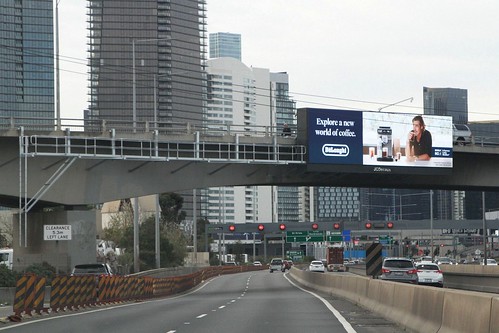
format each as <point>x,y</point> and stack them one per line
<point>354,54</point>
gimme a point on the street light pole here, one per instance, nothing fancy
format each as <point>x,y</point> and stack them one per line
<point>431,223</point>
<point>387,106</point>
<point>134,91</point>
<point>484,230</point>
<point>134,83</point>
<point>57,70</point>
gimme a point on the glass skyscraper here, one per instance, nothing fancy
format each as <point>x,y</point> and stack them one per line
<point>447,102</point>
<point>167,40</point>
<point>225,44</point>
<point>27,61</point>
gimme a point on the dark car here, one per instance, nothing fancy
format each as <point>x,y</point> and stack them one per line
<point>399,270</point>
<point>286,264</point>
<point>92,269</point>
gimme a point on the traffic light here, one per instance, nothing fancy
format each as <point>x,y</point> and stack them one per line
<point>336,226</point>
<point>282,227</point>
<point>315,226</point>
<point>389,225</point>
<point>261,227</point>
<point>232,228</point>
<point>369,225</point>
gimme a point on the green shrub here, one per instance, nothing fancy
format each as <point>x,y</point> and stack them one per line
<point>7,277</point>
<point>42,270</point>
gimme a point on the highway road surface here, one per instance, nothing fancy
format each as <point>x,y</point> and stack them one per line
<point>244,303</point>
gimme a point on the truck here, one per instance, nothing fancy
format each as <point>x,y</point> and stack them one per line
<point>335,259</point>
<point>7,257</point>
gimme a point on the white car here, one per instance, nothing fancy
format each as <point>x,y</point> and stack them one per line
<point>316,266</point>
<point>461,135</point>
<point>430,274</point>
<point>490,262</point>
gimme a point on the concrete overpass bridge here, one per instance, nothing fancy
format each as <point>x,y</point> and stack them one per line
<point>75,167</point>
<point>43,166</point>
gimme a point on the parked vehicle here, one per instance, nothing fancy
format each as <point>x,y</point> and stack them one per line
<point>461,134</point>
<point>430,274</point>
<point>399,270</point>
<point>490,262</point>
<point>335,261</point>
<point>275,265</point>
<point>257,263</point>
<point>316,266</point>
<point>444,261</point>
<point>92,269</point>
<point>7,257</point>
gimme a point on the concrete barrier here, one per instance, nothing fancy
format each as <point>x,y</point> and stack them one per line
<point>467,311</point>
<point>418,308</point>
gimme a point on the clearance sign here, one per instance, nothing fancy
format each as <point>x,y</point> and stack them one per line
<point>57,232</point>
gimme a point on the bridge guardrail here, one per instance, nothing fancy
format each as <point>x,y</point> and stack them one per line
<point>103,127</point>
<point>77,292</point>
<point>119,148</point>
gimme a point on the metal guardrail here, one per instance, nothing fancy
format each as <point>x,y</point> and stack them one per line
<point>154,149</point>
<point>103,127</point>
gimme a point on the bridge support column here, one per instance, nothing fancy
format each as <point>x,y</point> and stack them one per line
<point>62,254</point>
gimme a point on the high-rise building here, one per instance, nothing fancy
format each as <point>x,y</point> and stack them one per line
<point>225,44</point>
<point>235,92</point>
<point>336,203</point>
<point>27,60</point>
<point>146,61</point>
<point>239,96</point>
<point>289,205</point>
<point>447,102</point>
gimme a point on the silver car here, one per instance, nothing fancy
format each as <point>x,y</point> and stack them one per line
<point>275,264</point>
<point>399,270</point>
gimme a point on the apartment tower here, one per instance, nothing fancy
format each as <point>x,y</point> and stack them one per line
<point>146,62</point>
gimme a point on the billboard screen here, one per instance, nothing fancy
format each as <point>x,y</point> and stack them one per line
<point>379,141</point>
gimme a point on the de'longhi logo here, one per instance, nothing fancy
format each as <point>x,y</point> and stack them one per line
<point>336,150</point>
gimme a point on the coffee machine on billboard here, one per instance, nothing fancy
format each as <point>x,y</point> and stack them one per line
<point>385,146</point>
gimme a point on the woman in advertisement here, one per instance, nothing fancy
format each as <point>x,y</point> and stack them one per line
<point>419,142</point>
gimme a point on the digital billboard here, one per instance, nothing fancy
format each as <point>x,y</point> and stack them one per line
<point>378,141</point>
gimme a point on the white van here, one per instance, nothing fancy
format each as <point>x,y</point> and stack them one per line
<point>7,257</point>
<point>461,134</point>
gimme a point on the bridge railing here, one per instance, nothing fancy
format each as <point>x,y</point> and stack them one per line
<point>127,127</point>
<point>156,149</point>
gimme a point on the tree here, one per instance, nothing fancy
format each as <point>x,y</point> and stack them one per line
<point>6,230</point>
<point>173,245</point>
<point>120,229</point>
<point>173,242</point>
<point>202,226</point>
<point>171,208</point>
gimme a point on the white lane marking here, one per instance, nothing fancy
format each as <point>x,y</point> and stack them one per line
<point>341,319</point>
<point>172,331</point>
<point>221,306</point>
<point>201,316</point>
<point>233,301</point>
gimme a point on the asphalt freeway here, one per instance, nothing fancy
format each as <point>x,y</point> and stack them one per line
<point>245,302</point>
